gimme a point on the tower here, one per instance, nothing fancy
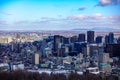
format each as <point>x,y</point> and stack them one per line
<point>111,38</point>
<point>106,39</point>
<point>36,58</point>
<point>90,36</point>
<point>81,38</point>
<point>58,40</point>
<point>99,39</point>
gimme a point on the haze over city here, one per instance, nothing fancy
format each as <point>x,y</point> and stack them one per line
<point>59,14</point>
<point>59,39</point>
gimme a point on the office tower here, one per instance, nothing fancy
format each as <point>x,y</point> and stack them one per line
<point>66,40</point>
<point>48,52</point>
<point>86,50</point>
<point>104,60</point>
<point>99,39</point>
<point>93,49</point>
<point>73,39</point>
<point>100,49</point>
<point>118,40</point>
<point>90,36</point>
<point>104,57</point>
<point>113,49</point>
<point>107,39</point>
<point>57,40</point>
<point>57,45</point>
<point>78,46</point>
<point>81,38</point>
<point>111,38</point>
<point>66,49</point>
<point>36,58</point>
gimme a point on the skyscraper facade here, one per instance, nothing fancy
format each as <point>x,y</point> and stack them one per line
<point>107,39</point>
<point>81,38</point>
<point>90,36</point>
<point>57,41</point>
<point>99,39</point>
<point>111,38</point>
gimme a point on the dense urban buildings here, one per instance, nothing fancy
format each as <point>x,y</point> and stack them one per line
<point>48,52</point>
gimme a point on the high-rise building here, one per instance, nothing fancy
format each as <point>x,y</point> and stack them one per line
<point>93,49</point>
<point>118,41</point>
<point>104,60</point>
<point>36,58</point>
<point>66,40</point>
<point>104,57</point>
<point>48,52</point>
<point>107,39</point>
<point>81,38</point>
<point>90,36</point>
<point>99,39</point>
<point>86,50</point>
<point>78,46</point>
<point>113,49</point>
<point>57,41</point>
<point>66,49</point>
<point>73,39</point>
<point>111,38</point>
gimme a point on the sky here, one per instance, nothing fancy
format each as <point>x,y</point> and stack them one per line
<point>59,14</point>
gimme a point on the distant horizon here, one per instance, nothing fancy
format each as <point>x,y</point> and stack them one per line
<point>59,15</point>
<point>68,30</point>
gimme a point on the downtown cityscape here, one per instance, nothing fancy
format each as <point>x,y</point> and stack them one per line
<point>61,53</point>
<point>59,40</point>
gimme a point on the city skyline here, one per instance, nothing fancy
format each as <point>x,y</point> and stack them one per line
<point>59,14</point>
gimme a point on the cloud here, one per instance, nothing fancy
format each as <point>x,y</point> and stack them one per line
<point>5,13</point>
<point>78,21</point>
<point>2,22</point>
<point>93,16</point>
<point>93,21</point>
<point>78,16</point>
<point>82,8</point>
<point>107,2</point>
<point>40,21</point>
<point>21,22</point>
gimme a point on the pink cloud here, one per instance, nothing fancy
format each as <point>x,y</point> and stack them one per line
<point>108,2</point>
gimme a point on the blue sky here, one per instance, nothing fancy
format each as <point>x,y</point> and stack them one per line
<point>59,14</point>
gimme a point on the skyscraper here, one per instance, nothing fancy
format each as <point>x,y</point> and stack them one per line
<point>57,41</point>
<point>107,39</point>
<point>36,58</point>
<point>66,40</point>
<point>73,39</point>
<point>99,39</point>
<point>118,41</point>
<point>81,38</point>
<point>111,38</point>
<point>90,36</point>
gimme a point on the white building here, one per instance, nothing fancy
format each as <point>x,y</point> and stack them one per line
<point>36,58</point>
<point>104,58</point>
